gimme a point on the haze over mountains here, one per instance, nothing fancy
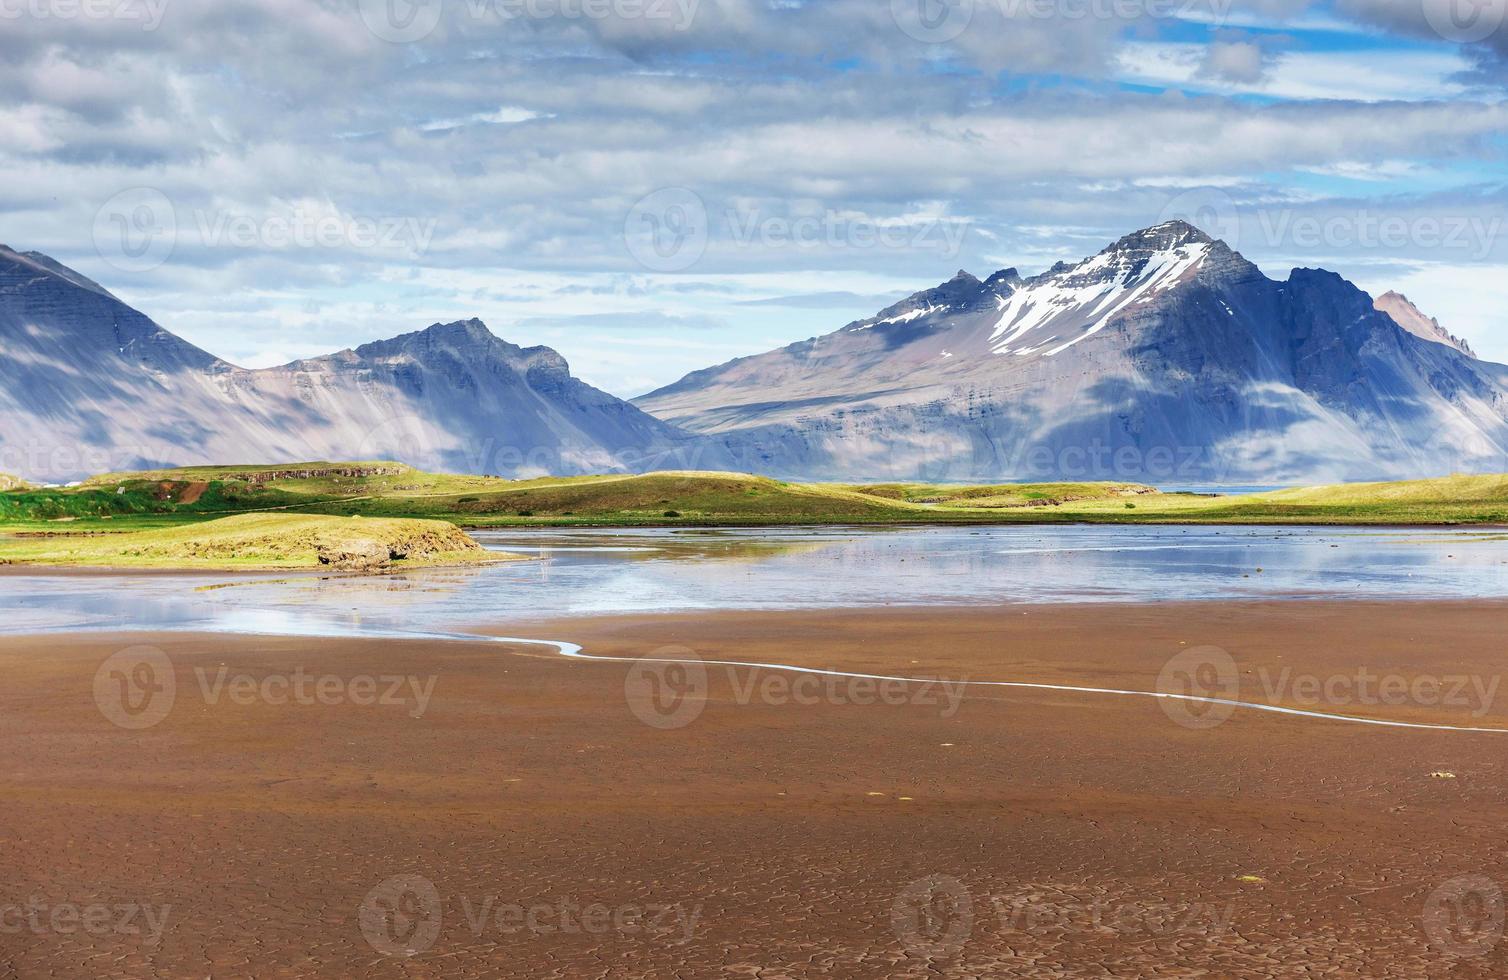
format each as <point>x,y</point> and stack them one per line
<point>89,384</point>
<point>1166,358</point>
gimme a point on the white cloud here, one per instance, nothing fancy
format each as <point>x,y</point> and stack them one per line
<point>1237,62</point>
<point>1366,76</point>
<point>527,143</point>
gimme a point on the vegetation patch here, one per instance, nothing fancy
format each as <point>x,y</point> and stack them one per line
<point>163,499</point>
<point>254,541</point>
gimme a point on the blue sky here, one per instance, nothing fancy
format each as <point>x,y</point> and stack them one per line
<point>653,186</point>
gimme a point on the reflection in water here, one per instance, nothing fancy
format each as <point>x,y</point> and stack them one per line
<point>579,572</point>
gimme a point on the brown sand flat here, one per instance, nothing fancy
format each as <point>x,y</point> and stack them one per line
<point>544,818</point>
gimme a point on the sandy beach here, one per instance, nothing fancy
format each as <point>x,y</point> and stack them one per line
<point>305,806</point>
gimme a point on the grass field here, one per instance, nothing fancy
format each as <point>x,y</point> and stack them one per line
<point>169,498</point>
<point>260,541</point>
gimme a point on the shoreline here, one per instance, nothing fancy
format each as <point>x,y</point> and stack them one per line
<point>599,638</point>
<point>24,567</point>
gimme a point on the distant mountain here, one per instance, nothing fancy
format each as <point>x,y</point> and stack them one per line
<point>88,384</point>
<point>1167,358</point>
<point>1409,317</point>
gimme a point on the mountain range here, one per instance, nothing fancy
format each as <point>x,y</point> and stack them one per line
<point>87,384</point>
<point>1166,358</point>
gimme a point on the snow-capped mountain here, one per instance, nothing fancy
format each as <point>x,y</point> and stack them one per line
<point>1167,357</point>
<point>87,384</point>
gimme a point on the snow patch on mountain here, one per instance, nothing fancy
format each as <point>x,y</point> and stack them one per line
<point>1083,300</point>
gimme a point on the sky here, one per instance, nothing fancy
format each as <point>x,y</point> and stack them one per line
<point>655,186</point>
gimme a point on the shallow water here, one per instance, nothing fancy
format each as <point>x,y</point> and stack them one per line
<point>584,572</point>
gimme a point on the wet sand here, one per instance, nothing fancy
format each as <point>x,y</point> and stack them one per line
<point>534,816</point>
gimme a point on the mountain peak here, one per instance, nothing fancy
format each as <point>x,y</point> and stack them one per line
<point>1169,234</point>
<point>1009,279</point>
<point>473,329</point>
<point>1411,318</point>
<point>33,263</point>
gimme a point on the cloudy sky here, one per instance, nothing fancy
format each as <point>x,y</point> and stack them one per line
<point>653,186</point>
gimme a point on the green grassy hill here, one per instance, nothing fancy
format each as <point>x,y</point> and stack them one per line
<point>1002,496</point>
<point>259,541</point>
<point>130,501</point>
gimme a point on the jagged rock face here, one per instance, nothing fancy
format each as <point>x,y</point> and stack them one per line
<point>88,385</point>
<point>1166,358</point>
<point>1411,318</point>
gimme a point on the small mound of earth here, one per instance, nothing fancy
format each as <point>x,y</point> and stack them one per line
<point>360,545</point>
<point>358,554</point>
<point>268,541</point>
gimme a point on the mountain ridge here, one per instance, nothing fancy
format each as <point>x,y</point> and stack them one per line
<point>88,384</point>
<point>1166,342</point>
<point>1166,357</point>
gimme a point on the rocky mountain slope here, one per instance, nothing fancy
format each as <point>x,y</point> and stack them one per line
<point>1411,318</point>
<point>1166,358</point>
<point>87,385</point>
